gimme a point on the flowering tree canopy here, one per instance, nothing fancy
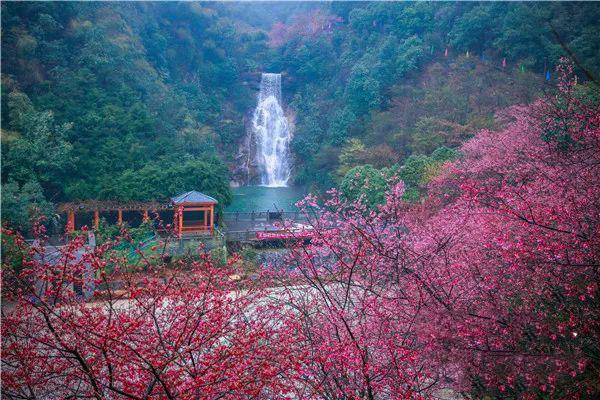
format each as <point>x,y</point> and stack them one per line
<point>490,285</point>
<point>186,333</point>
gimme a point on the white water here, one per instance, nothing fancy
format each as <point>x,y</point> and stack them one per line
<point>272,134</point>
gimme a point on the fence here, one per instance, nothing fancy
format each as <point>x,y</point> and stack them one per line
<point>262,216</point>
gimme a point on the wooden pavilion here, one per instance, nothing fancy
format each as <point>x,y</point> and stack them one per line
<point>192,212</point>
<point>201,209</point>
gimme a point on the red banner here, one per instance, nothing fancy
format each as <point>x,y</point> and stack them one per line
<point>270,235</point>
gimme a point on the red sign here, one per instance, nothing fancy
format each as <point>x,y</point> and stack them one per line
<point>269,235</point>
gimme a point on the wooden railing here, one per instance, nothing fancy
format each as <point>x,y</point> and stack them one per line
<point>263,216</point>
<point>194,226</point>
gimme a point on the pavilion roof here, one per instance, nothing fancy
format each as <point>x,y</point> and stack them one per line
<point>193,197</point>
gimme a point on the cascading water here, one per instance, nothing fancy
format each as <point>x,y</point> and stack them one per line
<point>272,133</point>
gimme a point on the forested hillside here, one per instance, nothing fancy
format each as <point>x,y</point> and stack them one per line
<point>136,101</point>
<point>125,101</point>
<point>406,78</point>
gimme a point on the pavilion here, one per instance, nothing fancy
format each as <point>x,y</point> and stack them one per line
<point>193,212</point>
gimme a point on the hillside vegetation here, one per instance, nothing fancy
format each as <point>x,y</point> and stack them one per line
<point>136,100</point>
<point>398,77</point>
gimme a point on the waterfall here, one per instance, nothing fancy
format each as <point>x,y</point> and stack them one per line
<point>272,134</point>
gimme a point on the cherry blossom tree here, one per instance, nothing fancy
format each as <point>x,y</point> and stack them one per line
<point>355,333</point>
<point>187,331</point>
<point>490,286</point>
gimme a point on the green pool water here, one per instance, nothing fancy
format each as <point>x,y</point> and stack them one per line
<point>262,198</point>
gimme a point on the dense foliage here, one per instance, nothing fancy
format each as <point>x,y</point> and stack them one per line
<point>96,96</point>
<point>377,72</point>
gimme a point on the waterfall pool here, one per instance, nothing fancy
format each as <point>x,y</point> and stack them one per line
<point>263,198</point>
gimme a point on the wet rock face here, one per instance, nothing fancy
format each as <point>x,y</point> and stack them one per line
<point>245,169</point>
<point>251,80</point>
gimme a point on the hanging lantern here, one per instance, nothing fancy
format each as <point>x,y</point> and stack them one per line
<point>446,52</point>
<point>548,76</point>
<point>504,62</point>
<point>467,53</point>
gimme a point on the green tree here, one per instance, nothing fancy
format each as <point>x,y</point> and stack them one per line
<point>23,204</point>
<point>418,170</point>
<point>414,169</point>
<point>430,133</point>
<point>158,180</point>
<point>39,152</point>
<point>366,182</point>
<point>363,92</point>
<point>352,154</point>
<point>340,126</point>
<point>305,144</point>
